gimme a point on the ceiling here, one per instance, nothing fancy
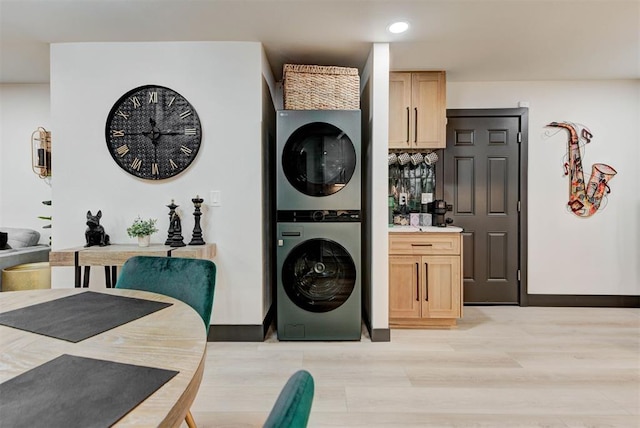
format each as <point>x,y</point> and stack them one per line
<point>473,40</point>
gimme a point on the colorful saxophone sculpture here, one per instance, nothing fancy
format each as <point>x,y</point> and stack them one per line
<point>584,200</point>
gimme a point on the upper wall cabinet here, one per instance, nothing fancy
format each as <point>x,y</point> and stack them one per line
<point>417,110</point>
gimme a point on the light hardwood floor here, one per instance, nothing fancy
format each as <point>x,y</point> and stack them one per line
<point>502,367</point>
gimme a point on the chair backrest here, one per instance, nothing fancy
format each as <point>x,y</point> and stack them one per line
<point>189,280</point>
<point>293,406</point>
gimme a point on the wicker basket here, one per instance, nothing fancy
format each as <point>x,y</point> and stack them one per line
<point>316,87</point>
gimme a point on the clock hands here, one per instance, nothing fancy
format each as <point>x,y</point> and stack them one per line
<point>155,133</point>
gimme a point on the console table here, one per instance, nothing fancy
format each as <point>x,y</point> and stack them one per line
<point>112,256</point>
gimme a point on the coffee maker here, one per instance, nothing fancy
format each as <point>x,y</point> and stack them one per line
<point>438,209</point>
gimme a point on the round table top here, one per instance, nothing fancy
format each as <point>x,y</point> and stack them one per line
<point>173,338</point>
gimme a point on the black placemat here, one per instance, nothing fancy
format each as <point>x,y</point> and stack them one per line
<point>77,317</point>
<point>72,391</point>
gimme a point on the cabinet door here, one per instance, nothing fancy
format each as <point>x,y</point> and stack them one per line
<point>429,115</point>
<point>404,300</point>
<point>399,110</point>
<point>441,282</point>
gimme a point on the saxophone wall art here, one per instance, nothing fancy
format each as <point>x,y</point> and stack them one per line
<point>584,199</point>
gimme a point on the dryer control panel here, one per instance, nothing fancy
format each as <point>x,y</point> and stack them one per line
<point>318,216</point>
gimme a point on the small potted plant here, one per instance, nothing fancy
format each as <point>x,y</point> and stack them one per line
<point>142,229</point>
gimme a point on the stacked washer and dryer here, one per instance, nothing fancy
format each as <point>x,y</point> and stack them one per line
<point>318,187</point>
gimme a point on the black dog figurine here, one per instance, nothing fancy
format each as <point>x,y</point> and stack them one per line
<point>95,233</point>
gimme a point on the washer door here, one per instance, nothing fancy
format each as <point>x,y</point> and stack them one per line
<point>319,275</point>
<point>319,159</point>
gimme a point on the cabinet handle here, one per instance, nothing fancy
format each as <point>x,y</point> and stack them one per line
<point>415,128</point>
<point>426,282</point>
<point>418,282</point>
<point>422,245</point>
<point>408,125</point>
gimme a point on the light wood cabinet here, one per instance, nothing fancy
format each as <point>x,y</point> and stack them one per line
<point>417,110</point>
<point>425,279</point>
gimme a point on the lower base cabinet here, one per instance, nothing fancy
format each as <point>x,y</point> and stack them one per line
<point>425,286</point>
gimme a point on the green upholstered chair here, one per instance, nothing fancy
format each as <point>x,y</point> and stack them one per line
<point>189,280</point>
<point>293,405</point>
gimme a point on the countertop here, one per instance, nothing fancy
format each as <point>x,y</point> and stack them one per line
<point>430,229</point>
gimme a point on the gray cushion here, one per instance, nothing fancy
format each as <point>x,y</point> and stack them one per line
<point>20,238</point>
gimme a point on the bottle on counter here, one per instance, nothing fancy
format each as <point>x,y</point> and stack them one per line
<point>431,181</point>
<point>392,204</point>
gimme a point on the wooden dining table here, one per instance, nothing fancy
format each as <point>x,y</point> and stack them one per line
<point>173,338</point>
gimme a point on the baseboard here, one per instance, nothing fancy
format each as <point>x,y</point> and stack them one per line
<point>235,333</point>
<point>266,323</point>
<point>376,334</point>
<point>604,301</point>
<point>241,333</point>
<point>380,335</point>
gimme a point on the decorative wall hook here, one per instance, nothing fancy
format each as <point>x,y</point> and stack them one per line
<point>41,152</point>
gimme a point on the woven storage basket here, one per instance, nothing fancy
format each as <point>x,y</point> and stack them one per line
<point>316,87</point>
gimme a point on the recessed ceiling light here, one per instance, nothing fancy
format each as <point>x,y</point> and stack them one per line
<point>398,27</point>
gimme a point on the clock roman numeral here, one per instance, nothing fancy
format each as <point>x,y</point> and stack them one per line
<point>122,150</point>
<point>173,164</point>
<point>186,150</point>
<point>135,101</point>
<point>185,114</point>
<point>171,102</point>
<point>154,169</point>
<point>136,164</point>
<point>189,131</point>
<point>153,97</point>
<point>122,114</point>
<point>117,133</point>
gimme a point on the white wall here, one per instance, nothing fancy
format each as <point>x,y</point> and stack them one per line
<point>566,254</point>
<point>268,187</point>
<point>379,76</point>
<point>23,108</point>
<point>223,81</point>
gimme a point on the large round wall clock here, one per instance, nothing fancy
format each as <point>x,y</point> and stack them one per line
<point>153,132</point>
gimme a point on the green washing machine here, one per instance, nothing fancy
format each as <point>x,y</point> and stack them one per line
<point>319,275</point>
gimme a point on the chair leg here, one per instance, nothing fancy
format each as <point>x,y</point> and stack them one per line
<point>87,273</point>
<point>189,420</point>
<point>107,276</point>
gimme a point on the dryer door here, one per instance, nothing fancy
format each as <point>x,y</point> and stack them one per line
<point>319,275</point>
<point>319,159</point>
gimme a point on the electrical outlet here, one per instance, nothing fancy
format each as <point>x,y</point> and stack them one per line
<point>426,198</point>
<point>403,199</point>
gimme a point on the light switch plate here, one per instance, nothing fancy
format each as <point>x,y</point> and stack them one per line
<point>215,198</point>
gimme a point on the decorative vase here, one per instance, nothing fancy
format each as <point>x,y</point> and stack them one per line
<point>143,241</point>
